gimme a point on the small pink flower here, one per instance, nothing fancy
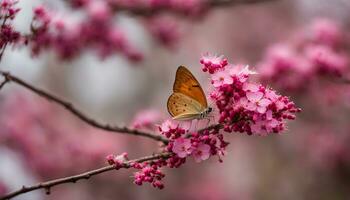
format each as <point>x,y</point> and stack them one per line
<point>242,72</point>
<point>221,78</point>
<point>167,126</point>
<point>210,59</point>
<point>257,101</point>
<point>212,63</point>
<point>202,152</point>
<point>182,147</point>
<point>250,87</point>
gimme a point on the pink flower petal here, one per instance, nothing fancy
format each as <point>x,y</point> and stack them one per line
<point>254,96</point>
<point>264,102</point>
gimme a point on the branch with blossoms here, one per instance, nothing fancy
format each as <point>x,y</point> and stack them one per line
<point>243,106</point>
<point>68,106</point>
<point>122,163</point>
<point>69,37</point>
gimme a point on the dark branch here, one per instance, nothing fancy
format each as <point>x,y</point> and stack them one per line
<point>68,106</point>
<point>3,83</point>
<point>73,179</point>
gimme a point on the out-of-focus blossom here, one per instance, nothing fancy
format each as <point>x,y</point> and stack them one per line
<point>165,30</point>
<point>327,32</point>
<point>147,118</point>
<point>69,37</point>
<point>38,126</point>
<point>326,60</point>
<point>187,7</point>
<point>3,188</point>
<point>321,51</point>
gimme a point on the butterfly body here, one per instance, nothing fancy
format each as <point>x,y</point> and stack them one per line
<point>188,101</point>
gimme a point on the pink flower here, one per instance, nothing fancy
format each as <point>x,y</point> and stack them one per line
<point>221,78</point>
<point>257,101</point>
<point>212,63</point>
<point>250,87</point>
<point>168,125</point>
<point>242,72</point>
<point>202,152</point>
<point>182,147</point>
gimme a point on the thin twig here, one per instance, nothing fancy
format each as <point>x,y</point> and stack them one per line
<point>4,83</point>
<point>68,106</point>
<point>73,179</point>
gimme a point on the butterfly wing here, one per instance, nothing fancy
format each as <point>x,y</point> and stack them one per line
<point>188,85</point>
<point>182,107</point>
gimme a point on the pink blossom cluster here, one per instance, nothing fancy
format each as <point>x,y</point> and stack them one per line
<point>212,63</point>
<point>69,37</point>
<point>248,107</point>
<point>165,29</point>
<point>8,35</point>
<point>320,51</point>
<point>187,7</point>
<point>198,145</point>
<point>148,172</point>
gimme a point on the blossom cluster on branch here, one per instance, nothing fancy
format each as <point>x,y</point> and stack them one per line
<point>8,35</point>
<point>243,105</point>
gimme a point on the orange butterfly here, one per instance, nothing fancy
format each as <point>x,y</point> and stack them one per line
<point>188,100</point>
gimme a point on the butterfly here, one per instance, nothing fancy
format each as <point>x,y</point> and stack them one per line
<point>188,101</point>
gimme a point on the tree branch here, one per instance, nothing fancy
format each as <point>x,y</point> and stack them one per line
<point>3,82</point>
<point>73,179</point>
<point>68,106</point>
